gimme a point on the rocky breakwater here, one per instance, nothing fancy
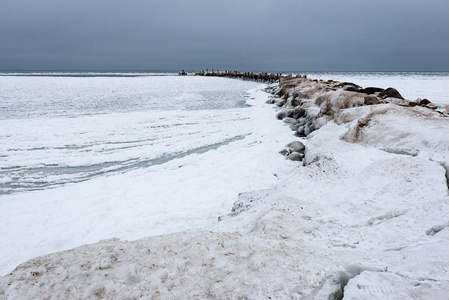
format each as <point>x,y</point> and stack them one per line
<point>260,77</point>
<point>308,104</point>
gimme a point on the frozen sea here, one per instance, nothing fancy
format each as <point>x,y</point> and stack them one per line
<point>90,156</point>
<point>84,157</point>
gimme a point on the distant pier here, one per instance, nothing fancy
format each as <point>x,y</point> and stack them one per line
<point>260,77</point>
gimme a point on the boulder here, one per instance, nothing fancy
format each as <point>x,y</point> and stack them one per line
<point>299,112</point>
<point>281,103</point>
<point>296,146</point>
<point>295,156</point>
<point>285,152</point>
<point>371,100</point>
<point>302,120</point>
<point>371,90</point>
<point>349,86</point>
<point>284,114</point>
<point>294,101</point>
<point>424,102</point>
<point>307,130</point>
<point>391,92</point>
<point>290,121</point>
<point>300,132</point>
<point>282,91</point>
<point>293,127</point>
<point>353,89</point>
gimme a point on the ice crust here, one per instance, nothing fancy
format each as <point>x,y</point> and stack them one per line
<point>364,218</point>
<point>185,192</point>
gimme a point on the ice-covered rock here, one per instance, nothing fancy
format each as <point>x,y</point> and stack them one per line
<point>297,146</point>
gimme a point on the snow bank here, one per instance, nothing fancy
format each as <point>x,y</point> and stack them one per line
<point>186,191</point>
<point>364,218</point>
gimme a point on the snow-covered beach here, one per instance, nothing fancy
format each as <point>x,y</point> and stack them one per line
<point>365,216</point>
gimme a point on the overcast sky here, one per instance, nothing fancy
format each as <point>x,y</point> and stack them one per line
<point>262,35</point>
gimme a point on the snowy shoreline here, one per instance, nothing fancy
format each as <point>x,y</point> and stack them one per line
<point>364,218</point>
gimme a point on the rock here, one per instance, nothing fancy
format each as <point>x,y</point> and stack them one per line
<point>300,132</point>
<point>281,92</point>
<point>271,101</point>
<point>307,130</point>
<point>371,90</point>
<point>424,102</point>
<point>295,156</point>
<point>302,121</point>
<point>284,114</point>
<point>349,86</point>
<point>431,105</point>
<point>391,92</point>
<point>371,100</point>
<point>290,121</point>
<point>285,152</point>
<point>413,104</point>
<point>294,101</point>
<point>353,89</point>
<point>281,102</point>
<point>296,146</point>
<point>299,112</point>
<point>293,127</point>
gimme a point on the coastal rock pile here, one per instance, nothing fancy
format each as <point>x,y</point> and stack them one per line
<point>261,77</point>
<point>307,104</point>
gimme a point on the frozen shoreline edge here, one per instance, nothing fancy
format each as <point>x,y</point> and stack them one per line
<point>348,116</point>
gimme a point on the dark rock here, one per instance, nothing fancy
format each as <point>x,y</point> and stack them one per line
<point>295,156</point>
<point>281,92</point>
<point>371,90</point>
<point>281,103</point>
<point>391,92</point>
<point>296,146</point>
<point>413,104</point>
<point>294,102</point>
<point>353,89</point>
<point>424,102</point>
<point>299,112</point>
<point>371,100</point>
<point>300,132</point>
<point>349,86</point>
<point>284,114</point>
<point>271,101</point>
<point>285,152</point>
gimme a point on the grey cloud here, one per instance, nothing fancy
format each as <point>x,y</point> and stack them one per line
<point>245,35</point>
